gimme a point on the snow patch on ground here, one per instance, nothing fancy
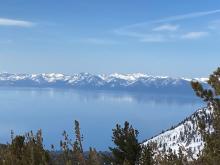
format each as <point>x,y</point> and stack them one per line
<point>185,135</point>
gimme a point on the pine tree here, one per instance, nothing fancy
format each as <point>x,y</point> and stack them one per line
<point>127,148</point>
<point>25,150</point>
<point>93,158</point>
<point>211,152</point>
<point>79,138</point>
<point>146,157</point>
<point>77,147</point>
<point>72,150</point>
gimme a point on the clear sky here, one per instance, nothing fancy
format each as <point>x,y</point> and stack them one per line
<point>158,37</point>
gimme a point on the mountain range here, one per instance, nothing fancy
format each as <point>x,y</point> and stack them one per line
<point>127,82</point>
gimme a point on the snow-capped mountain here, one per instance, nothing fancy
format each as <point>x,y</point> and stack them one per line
<point>185,135</point>
<point>128,82</point>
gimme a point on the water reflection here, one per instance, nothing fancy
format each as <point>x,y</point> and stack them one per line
<point>116,96</point>
<point>54,110</point>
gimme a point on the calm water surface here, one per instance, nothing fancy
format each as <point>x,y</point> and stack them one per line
<point>54,110</point>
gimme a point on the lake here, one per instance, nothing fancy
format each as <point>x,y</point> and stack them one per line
<point>54,110</point>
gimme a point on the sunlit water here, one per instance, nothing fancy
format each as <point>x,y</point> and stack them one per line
<point>54,110</point>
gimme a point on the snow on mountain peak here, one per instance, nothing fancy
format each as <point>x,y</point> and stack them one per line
<point>128,77</point>
<point>135,81</point>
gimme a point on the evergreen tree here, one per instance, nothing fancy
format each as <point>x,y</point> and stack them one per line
<point>93,158</point>
<point>25,150</point>
<point>72,150</point>
<point>127,148</point>
<point>146,157</point>
<point>79,138</point>
<point>211,152</point>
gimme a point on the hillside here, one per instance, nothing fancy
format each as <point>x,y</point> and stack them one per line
<point>185,135</point>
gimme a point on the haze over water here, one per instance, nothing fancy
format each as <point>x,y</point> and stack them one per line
<point>54,110</point>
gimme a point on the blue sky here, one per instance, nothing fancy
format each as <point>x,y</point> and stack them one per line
<point>158,37</point>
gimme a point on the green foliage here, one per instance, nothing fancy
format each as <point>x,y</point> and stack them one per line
<point>94,158</point>
<point>171,158</point>
<point>127,148</point>
<point>146,156</point>
<point>72,150</point>
<point>211,153</point>
<point>79,138</point>
<point>25,150</point>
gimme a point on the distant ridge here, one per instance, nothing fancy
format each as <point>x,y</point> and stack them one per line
<point>128,82</point>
